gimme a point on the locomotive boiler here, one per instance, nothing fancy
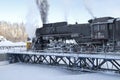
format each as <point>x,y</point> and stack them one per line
<point>99,34</point>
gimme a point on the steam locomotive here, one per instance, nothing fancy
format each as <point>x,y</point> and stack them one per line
<point>99,34</point>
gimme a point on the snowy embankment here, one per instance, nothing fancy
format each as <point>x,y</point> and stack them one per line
<point>9,43</point>
<point>4,42</point>
<point>42,72</point>
<point>6,45</point>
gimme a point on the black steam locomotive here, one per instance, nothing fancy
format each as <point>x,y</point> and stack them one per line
<point>99,34</point>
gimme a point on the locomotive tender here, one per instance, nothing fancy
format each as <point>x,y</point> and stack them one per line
<point>99,34</point>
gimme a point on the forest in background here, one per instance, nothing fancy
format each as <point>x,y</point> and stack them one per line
<point>13,32</point>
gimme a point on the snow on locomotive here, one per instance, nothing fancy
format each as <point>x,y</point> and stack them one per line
<point>100,34</point>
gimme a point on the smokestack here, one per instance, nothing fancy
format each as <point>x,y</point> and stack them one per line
<point>43,8</point>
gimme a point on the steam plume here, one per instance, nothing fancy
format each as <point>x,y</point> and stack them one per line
<point>88,8</point>
<point>66,6</point>
<point>43,9</point>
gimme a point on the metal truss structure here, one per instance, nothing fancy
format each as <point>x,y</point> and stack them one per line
<point>93,62</point>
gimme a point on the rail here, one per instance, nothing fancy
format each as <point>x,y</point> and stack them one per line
<point>5,49</point>
<point>8,47</point>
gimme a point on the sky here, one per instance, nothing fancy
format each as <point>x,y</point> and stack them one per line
<point>59,10</point>
<point>72,11</point>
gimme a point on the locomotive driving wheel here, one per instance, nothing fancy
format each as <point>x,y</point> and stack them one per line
<point>109,48</point>
<point>90,48</point>
<point>76,48</point>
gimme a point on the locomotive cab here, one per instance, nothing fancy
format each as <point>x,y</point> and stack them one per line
<point>99,28</point>
<point>99,31</point>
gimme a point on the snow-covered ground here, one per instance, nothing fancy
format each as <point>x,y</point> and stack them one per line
<point>6,45</point>
<point>3,63</point>
<point>4,42</point>
<point>41,72</point>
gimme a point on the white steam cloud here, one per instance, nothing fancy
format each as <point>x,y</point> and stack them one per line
<point>32,19</point>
